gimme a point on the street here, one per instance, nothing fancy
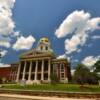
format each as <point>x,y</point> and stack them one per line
<point>24,97</point>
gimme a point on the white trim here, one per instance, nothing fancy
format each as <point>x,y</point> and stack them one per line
<point>62,72</point>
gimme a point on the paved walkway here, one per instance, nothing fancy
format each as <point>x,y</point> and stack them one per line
<point>24,97</point>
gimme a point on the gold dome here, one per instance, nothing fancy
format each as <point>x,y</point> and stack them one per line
<point>44,39</point>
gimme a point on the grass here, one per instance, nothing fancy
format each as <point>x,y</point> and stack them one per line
<point>56,87</point>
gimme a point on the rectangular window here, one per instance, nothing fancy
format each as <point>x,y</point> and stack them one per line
<point>62,68</point>
<point>62,71</point>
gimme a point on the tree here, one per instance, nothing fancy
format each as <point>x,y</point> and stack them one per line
<point>92,78</point>
<point>96,66</point>
<point>96,69</point>
<point>83,75</point>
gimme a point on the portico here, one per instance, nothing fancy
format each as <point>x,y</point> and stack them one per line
<point>34,70</point>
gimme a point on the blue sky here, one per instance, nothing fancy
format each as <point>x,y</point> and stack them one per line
<point>33,19</point>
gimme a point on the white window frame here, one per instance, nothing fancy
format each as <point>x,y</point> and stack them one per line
<point>62,71</point>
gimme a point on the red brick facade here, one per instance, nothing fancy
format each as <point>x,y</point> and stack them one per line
<point>9,73</point>
<point>62,69</point>
<point>5,72</point>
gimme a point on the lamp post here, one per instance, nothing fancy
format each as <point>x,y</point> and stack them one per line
<point>0,55</point>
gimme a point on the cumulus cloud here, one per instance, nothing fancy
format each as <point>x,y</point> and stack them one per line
<point>90,60</point>
<point>79,24</point>
<point>72,44</point>
<point>61,56</point>
<point>3,52</point>
<point>6,23</point>
<point>24,43</point>
<point>64,56</point>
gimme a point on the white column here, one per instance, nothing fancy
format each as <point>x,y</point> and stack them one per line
<point>18,72</point>
<point>60,71</point>
<point>65,78</point>
<point>30,70</point>
<point>23,78</point>
<point>49,70</point>
<point>36,67</point>
<point>42,72</point>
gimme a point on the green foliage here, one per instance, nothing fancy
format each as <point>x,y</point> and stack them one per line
<point>54,79</point>
<point>80,74</point>
<point>83,75</point>
<point>3,80</point>
<point>96,66</point>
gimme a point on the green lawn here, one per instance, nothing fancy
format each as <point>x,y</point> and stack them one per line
<point>56,87</point>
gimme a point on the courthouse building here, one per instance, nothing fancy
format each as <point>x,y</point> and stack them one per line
<point>37,65</point>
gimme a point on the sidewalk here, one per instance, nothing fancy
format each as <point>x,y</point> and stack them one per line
<point>37,97</point>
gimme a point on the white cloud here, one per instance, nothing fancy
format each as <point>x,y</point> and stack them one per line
<point>79,24</point>
<point>96,37</point>
<point>64,56</point>
<point>7,3</point>
<point>93,23</point>
<point>61,56</point>
<point>5,43</point>
<point>76,21</point>
<point>6,23</point>
<point>90,60</point>
<point>72,71</point>
<point>16,34</point>
<point>72,44</point>
<point>3,52</point>
<point>4,65</point>
<point>24,43</point>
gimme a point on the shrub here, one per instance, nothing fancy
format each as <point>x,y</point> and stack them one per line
<point>54,79</point>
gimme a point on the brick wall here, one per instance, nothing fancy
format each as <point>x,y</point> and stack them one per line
<point>5,72</point>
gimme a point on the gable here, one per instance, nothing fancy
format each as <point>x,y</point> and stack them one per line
<point>32,53</point>
<point>28,53</point>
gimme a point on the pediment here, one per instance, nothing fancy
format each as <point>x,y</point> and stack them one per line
<point>31,53</point>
